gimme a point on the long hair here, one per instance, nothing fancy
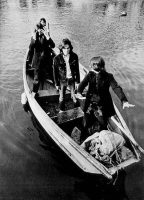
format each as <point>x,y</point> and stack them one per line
<point>65,41</point>
<point>43,19</point>
<point>99,61</point>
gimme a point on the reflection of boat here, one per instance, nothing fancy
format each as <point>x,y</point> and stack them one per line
<point>60,125</point>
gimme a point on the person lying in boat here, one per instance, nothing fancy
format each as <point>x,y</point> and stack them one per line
<point>66,72</point>
<point>98,106</point>
<point>40,54</point>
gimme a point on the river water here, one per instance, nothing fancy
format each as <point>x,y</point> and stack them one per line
<point>28,169</point>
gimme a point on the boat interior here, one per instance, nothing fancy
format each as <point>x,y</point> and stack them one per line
<point>70,121</point>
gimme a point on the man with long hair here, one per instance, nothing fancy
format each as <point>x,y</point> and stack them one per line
<point>98,104</point>
<point>66,72</point>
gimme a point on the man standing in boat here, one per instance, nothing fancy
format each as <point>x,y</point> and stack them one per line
<point>40,55</point>
<point>98,104</point>
<point>66,72</point>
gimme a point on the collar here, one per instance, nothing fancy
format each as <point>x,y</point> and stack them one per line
<point>66,57</point>
<point>97,73</point>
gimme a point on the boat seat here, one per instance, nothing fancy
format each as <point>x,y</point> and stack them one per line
<point>44,93</point>
<point>68,115</point>
<point>51,94</point>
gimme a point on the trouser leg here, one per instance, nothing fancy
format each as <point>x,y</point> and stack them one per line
<point>62,95</point>
<point>72,89</point>
<point>86,124</point>
<point>36,82</point>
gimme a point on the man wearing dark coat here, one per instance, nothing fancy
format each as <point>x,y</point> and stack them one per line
<point>40,56</point>
<point>98,104</point>
<point>66,72</point>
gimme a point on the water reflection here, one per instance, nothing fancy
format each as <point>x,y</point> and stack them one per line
<point>60,3</point>
<point>63,3</point>
<point>142,8</point>
<point>95,187</point>
<point>34,3</point>
<point>100,7</point>
<point>3,4</point>
<point>111,9</point>
<point>23,3</point>
<point>124,6</point>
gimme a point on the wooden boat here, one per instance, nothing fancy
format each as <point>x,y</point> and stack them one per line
<point>60,125</point>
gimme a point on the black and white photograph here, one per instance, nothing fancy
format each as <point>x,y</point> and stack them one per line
<point>71,99</point>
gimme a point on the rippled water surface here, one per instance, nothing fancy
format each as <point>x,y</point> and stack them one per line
<point>30,168</point>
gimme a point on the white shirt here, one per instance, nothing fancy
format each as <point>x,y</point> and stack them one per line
<point>68,70</point>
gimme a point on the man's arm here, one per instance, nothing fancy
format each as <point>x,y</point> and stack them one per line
<point>83,84</point>
<point>31,51</point>
<point>51,43</point>
<point>77,71</point>
<point>56,72</point>
<point>119,92</point>
<point>117,89</point>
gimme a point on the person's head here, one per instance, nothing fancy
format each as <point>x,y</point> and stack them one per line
<point>43,22</point>
<point>66,46</point>
<point>97,64</point>
<point>39,29</point>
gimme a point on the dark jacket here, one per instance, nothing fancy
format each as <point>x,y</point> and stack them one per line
<point>40,52</point>
<point>59,68</point>
<point>101,89</point>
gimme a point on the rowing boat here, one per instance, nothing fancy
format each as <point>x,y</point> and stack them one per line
<point>59,127</point>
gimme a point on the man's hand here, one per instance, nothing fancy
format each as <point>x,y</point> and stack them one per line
<point>76,86</point>
<point>57,87</point>
<point>79,96</point>
<point>46,32</point>
<point>127,105</point>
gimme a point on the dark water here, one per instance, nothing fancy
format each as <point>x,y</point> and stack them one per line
<point>28,168</point>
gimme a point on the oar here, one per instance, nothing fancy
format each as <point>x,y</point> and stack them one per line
<point>130,138</point>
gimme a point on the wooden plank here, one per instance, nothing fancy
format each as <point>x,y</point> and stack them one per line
<point>68,115</point>
<point>44,93</point>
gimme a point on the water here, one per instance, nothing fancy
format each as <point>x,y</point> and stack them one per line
<point>28,169</point>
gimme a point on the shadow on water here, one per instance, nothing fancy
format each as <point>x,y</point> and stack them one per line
<point>92,186</point>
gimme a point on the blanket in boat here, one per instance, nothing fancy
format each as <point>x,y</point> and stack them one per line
<point>103,144</point>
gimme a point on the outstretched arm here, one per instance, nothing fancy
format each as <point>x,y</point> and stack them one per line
<point>127,105</point>
<point>119,92</point>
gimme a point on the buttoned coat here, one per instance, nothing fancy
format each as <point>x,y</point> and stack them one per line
<point>105,81</point>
